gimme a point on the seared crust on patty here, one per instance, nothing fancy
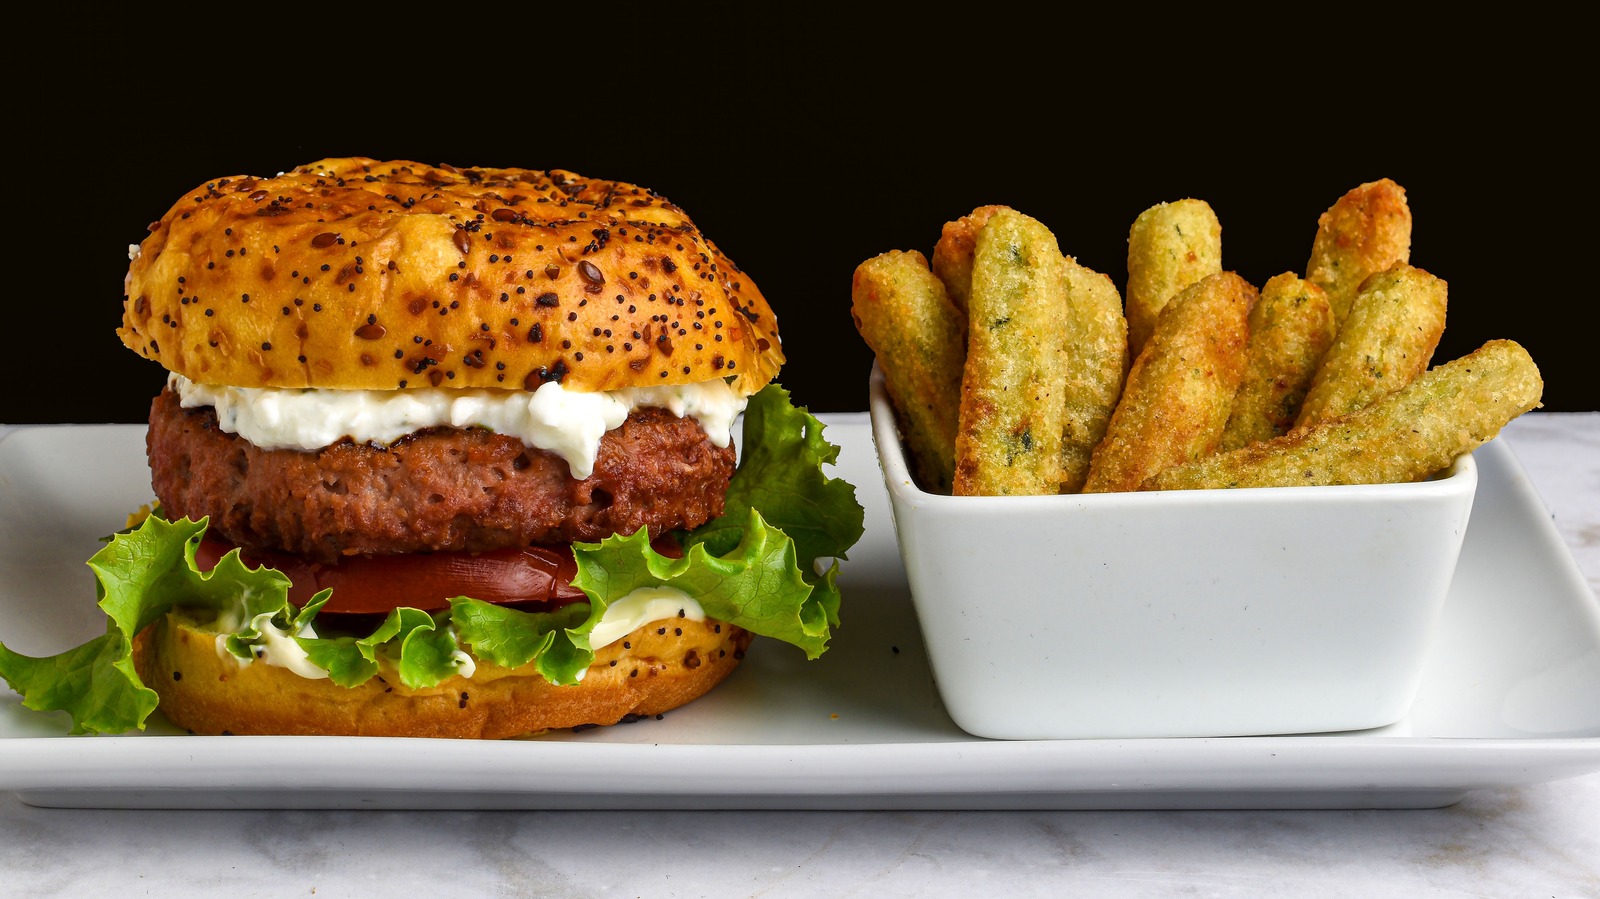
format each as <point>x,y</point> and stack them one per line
<point>439,489</point>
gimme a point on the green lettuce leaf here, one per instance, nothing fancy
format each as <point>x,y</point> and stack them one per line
<point>421,645</point>
<point>781,474</point>
<point>95,683</point>
<point>139,575</point>
<point>757,585</point>
<point>557,643</point>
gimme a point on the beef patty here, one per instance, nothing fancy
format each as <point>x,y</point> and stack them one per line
<point>438,489</point>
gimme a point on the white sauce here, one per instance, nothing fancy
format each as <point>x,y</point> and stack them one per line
<point>644,605</point>
<point>565,422</point>
<point>464,664</point>
<point>639,608</point>
<point>276,647</point>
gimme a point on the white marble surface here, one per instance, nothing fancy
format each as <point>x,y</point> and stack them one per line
<point>1541,840</point>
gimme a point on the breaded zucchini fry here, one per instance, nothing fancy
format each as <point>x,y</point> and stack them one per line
<point>1170,246</point>
<point>1394,326</point>
<point>1180,388</point>
<point>1403,436</point>
<point>920,341</point>
<point>1291,328</point>
<point>1096,350</point>
<point>952,255</point>
<point>1364,232</point>
<point>1012,416</point>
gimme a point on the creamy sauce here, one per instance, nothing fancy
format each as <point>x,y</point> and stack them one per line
<point>638,609</point>
<point>276,647</point>
<point>565,422</point>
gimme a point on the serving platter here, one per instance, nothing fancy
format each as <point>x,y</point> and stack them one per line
<point>1508,697</point>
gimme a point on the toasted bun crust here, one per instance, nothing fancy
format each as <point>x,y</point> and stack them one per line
<point>354,273</point>
<point>645,673</point>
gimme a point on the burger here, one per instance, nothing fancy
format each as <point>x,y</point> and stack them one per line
<point>449,452</point>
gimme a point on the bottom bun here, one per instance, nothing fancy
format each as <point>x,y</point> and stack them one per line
<point>651,671</point>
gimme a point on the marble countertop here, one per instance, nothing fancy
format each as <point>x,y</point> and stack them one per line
<point>1537,840</point>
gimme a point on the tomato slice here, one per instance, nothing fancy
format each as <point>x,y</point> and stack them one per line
<point>364,585</point>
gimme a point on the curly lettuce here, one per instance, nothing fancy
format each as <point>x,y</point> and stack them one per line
<point>756,566</point>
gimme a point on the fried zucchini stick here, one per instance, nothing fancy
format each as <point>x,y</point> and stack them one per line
<point>1180,388</point>
<point>1095,340</point>
<point>1009,437</point>
<point>1394,326</point>
<point>1096,351</point>
<point>952,255</point>
<point>1291,328</point>
<point>1364,232</point>
<point>920,341</point>
<point>1404,436</point>
<point>1170,246</point>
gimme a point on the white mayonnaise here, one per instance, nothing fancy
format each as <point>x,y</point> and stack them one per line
<point>565,422</point>
<point>276,647</point>
<point>639,608</point>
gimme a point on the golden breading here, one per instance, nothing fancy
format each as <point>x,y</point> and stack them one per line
<point>1180,388</point>
<point>356,273</point>
<point>1403,436</point>
<point>1291,328</point>
<point>1170,246</point>
<point>919,339</point>
<point>952,255</point>
<point>1394,326</point>
<point>1012,414</point>
<point>1095,347</point>
<point>1364,232</point>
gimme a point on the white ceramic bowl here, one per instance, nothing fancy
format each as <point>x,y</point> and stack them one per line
<point>1176,613</point>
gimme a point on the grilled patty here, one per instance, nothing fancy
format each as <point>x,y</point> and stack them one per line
<point>438,489</point>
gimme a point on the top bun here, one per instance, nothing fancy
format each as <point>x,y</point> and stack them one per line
<point>359,274</point>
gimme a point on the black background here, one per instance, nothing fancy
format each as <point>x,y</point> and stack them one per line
<point>802,149</point>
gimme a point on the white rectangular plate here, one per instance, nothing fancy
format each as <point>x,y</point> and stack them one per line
<point>1509,696</point>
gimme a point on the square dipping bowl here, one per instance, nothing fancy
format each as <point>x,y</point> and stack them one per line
<point>1183,613</point>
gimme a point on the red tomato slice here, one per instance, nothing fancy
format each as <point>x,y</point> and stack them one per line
<point>377,584</point>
